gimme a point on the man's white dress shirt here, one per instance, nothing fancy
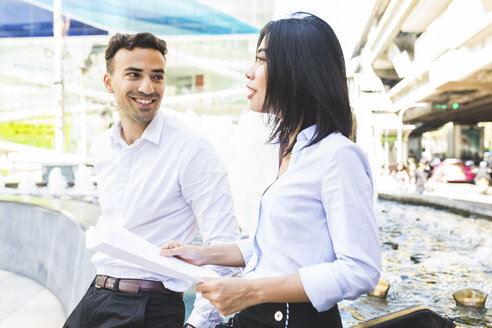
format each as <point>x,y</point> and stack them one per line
<point>317,220</point>
<point>166,185</point>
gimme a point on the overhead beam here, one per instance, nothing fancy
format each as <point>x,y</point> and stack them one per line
<point>465,85</point>
<point>388,28</point>
<point>472,113</point>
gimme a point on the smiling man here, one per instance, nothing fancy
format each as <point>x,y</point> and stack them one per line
<point>159,181</point>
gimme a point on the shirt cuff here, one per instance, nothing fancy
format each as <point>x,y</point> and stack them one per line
<point>200,322</point>
<point>246,248</point>
<point>321,286</point>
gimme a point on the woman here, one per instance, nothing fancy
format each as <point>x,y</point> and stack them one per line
<point>314,241</point>
<point>401,176</point>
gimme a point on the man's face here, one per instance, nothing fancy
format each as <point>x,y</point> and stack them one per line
<point>137,82</point>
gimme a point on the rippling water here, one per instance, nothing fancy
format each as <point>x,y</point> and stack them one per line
<point>453,252</point>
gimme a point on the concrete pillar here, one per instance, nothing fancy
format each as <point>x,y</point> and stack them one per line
<point>60,144</point>
<point>451,140</point>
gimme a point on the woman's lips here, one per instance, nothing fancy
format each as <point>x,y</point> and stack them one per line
<point>253,91</point>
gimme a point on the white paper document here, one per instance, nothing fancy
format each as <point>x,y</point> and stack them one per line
<point>118,242</point>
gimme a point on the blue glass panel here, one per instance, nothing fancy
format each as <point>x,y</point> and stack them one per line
<point>21,19</point>
<point>161,17</point>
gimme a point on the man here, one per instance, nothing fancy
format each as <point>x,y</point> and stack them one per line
<point>160,182</point>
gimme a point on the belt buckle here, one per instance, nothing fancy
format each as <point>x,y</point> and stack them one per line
<point>105,278</point>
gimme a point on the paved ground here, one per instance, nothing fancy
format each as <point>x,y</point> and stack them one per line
<point>26,304</point>
<point>463,191</point>
<point>463,198</point>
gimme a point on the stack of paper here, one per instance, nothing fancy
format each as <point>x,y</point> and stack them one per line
<point>122,244</point>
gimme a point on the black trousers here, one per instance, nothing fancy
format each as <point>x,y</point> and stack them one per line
<point>283,315</point>
<point>104,308</point>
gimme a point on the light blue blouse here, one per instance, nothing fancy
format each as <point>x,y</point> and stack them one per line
<point>317,219</point>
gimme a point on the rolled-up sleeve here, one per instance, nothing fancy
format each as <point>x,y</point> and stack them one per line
<point>205,186</point>
<point>246,248</point>
<point>347,197</point>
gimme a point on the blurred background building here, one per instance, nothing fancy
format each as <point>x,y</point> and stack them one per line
<point>429,67</point>
<point>419,75</point>
<point>52,63</point>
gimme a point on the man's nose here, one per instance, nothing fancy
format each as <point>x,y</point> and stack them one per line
<point>146,86</point>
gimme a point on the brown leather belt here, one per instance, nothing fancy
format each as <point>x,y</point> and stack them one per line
<point>132,286</point>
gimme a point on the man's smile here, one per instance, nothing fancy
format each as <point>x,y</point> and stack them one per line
<point>143,101</point>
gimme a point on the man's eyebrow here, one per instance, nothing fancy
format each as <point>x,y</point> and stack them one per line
<point>134,69</point>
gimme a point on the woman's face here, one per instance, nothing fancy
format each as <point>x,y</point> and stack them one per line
<point>257,75</point>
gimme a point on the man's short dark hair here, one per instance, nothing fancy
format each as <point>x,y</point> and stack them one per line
<point>129,41</point>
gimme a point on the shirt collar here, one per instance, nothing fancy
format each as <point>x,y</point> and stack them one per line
<point>116,134</point>
<point>303,137</point>
<point>151,133</point>
<point>306,135</point>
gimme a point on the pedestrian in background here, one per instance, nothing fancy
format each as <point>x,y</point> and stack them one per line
<point>420,178</point>
<point>400,174</point>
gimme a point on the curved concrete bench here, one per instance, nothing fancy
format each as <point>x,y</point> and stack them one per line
<point>43,239</point>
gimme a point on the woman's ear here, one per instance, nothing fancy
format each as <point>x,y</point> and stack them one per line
<point>107,82</point>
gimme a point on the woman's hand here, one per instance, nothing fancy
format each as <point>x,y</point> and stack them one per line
<point>228,295</point>
<point>187,253</point>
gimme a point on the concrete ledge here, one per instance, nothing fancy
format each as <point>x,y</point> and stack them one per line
<point>48,246</point>
<point>458,206</point>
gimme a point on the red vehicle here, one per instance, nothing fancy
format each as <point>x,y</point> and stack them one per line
<point>452,170</point>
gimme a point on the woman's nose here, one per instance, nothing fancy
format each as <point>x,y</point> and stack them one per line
<point>250,72</point>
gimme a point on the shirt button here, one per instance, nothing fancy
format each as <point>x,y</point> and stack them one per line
<point>278,316</point>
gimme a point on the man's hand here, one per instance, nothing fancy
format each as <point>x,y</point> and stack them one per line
<point>223,254</point>
<point>187,253</point>
<point>228,295</point>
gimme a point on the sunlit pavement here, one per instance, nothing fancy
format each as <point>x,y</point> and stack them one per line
<point>464,198</point>
<point>25,303</point>
<point>462,191</point>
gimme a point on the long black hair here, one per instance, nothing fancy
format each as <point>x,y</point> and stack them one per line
<point>306,79</point>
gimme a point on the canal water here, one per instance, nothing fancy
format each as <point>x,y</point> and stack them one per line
<point>427,255</point>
